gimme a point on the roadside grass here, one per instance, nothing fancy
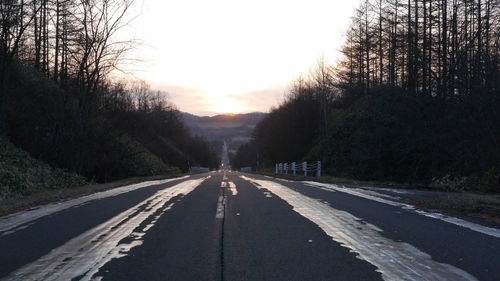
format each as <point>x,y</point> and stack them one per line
<point>482,205</point>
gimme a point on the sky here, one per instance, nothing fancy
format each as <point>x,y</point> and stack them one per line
<point>233,56</point>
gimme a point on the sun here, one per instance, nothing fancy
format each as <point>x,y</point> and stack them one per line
<point>225,105</point>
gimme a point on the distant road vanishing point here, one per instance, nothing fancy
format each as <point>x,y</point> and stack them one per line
<point>233,226</point>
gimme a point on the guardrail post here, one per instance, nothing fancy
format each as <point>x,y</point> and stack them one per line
<point>319,169</point>
<point>286,168</point>
<point>294,171</point>
<point>276,169</point>
<point>304,168</point>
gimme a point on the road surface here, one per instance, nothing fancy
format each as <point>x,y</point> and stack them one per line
<point>233,226</point>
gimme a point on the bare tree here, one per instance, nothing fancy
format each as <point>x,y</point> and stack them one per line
<point>439,47</point>
<point>98,52</point>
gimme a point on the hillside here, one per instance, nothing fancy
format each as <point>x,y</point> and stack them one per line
<point>109,139</point>
<point>235,129</point>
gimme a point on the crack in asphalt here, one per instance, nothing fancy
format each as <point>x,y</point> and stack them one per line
<point>223,219</point>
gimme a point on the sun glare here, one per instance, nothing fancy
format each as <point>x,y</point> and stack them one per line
<point>225,105</point>
<point>220,52</point>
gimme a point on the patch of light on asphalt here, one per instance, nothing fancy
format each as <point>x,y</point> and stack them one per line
<point>12,223</point>
<point>83,256</point>
<point>395,260</point>
<point>392,190</point>
<point>268,194</point>
<point>232,188</point>
<point>378,194</point>
<point>456,221</point>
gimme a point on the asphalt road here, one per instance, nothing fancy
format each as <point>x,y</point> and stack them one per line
<point>233,226</point>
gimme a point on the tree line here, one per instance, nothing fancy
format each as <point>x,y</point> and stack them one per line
<point>414,98</point>
<point>445,48</point>
<point>72,42</point>
<point>59,102</point>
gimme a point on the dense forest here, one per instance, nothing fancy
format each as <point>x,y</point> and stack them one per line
<point>415,98</point>
<point>59,102</point>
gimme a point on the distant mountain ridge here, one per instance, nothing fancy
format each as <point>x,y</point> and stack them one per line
<point>235,129</point>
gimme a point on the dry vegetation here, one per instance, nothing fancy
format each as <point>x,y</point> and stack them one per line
<point>486,206</point>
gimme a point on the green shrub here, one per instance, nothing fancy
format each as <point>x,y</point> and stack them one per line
<point>22,175</point>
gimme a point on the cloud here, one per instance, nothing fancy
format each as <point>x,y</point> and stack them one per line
<point>263,99</point>
<point>218,57</point>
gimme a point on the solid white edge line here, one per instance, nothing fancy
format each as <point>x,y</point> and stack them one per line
<point>494,232</point>
<point>395,260</point>
<point>10,222</point>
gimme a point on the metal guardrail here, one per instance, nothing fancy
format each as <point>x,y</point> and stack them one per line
<point>294,167</point>
<point>198,170</point>
<point>246,169</point>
